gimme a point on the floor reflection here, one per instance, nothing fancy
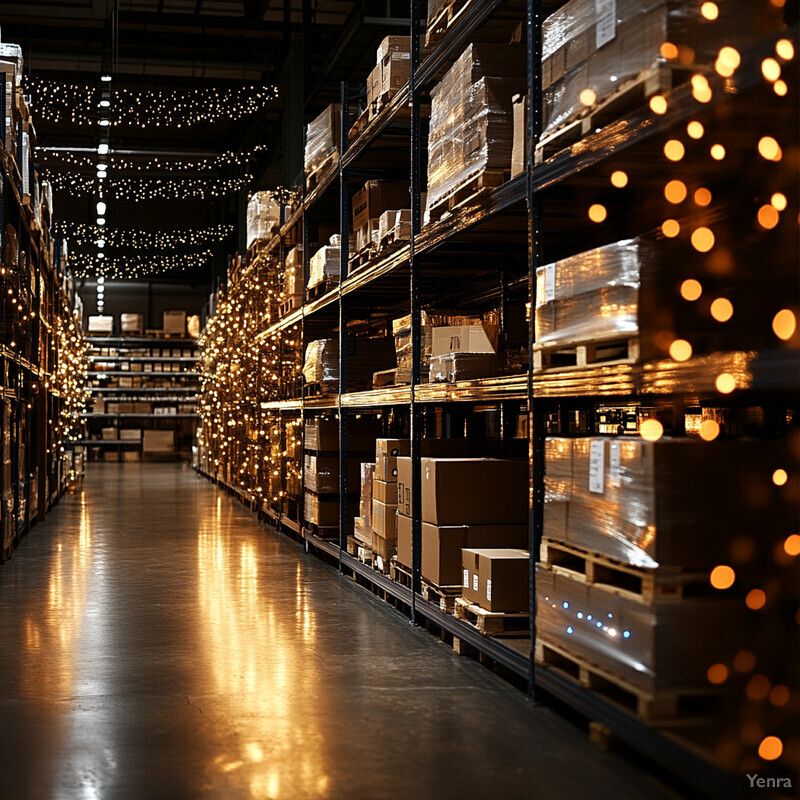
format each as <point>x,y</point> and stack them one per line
<point>257,651</point>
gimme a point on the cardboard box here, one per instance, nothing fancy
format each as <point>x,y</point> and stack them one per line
<point>393,447</point>
<point>442,546</point>
<point>464,339</point>
<point>322,512</point>
<point>393,45</point>
<point>404,541</point>
<point>140,407</point>
<point>395,72</point>
<point>519,149</point>
<point>131,322</point>
<point>474,491</point>
<point>322,434</point>
<point>386,468</point>
<point>130,455</point>
<point>130,435</point>
<point>496,579</point>
<point>175,322</point>
<point>111,455</point>
<point>385,491</point>
<point>376,197</point>
<point>384,520</point>
<point>98,406</point>
<point>374,80</point>
<point>109,434</point>
<point>321,473</point>
<point>101,324</point>
<point>383,550</point>
<point>158,442</point>
<point>126,408</point>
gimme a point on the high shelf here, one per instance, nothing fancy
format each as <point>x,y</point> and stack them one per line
<point>142,397</point>
<point>485,255</point>
<point>42,355</point>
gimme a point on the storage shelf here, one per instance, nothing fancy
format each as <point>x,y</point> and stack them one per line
<point>140,359</point>
<point>377,126</point>
<point>92,415</point>
<point>123,341</point>
<point>126,372</point>
<point>141,389</point>
<point>108,443</point>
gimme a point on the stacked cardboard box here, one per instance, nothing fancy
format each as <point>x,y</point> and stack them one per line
<point>293,275</point>
<point>101,325</point>
<point>363,522</point>
<point>366,357</point>
<point>586,46</point>
<point>325,265</point>
<point>384,496</point>
<point>471,118</point>
<point>463,352</point>
<point>369,204</point>
<point>131,322</point>
<point>263,217</point>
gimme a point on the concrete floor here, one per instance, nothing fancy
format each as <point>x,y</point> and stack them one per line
<point>157,642</point>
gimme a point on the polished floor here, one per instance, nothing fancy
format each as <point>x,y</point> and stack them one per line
<point>157,642</point>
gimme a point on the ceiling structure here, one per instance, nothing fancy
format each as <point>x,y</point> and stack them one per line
<point>303,47</point>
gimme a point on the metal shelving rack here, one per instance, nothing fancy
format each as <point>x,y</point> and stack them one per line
<point>521,203</point>
<point>174,395</point>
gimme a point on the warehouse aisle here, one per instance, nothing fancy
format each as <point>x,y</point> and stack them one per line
<point>157,642</point>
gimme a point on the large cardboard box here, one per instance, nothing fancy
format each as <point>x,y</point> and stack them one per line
<point>158,442</point>
<point>376,197</point>
<point>385,491</point>
<point>101,324</point>
<point>404,541</point>
<point>175,322</point>
<point>322,473</point>
<point>130,435</point>
<point>384,520</point>
<point>386,467</point>
<point>109,434</point>
<point>131,322</point>
<point>140,407</point>
<point>442,546</point>
<point>496,579</point>
<point>464,339</point>
<point>474,491</point>
<point>321,511</point>
<point>395,72</point>
<point>322,434</point>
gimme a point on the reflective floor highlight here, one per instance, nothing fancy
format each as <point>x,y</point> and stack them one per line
<point>156,642</point>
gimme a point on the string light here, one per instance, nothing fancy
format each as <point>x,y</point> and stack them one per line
<point>85,266</point>
<point>78,104</point>
<point>80,234</point>
<point>155,164</point>
<point>140,189</point>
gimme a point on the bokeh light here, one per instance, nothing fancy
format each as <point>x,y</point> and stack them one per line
<point>691,289</point>
<point>619,179</point>
<point>588,97</point>
<point>710,10</point>
<point>758,687</point>
<point>695,129</point>
<point>722,577</point>
<point>680,350</point>
<point>670,228</point>
<point>778,201</point>
<point>669,51</point>
<point>658,104</point>
<point>702,197</point>
<point>779,477</point>
<point>791,545</point>
<point>769,148</point>
<point>717,152</point>
<point>785,49</point>
<point>675,191</point>
<point>717,674</point>
<point>771,748</point>
<point>745,661</point>
<point>651,430</point>
<point>674,150</point>
<point>755,599</point>
<point>709,430</point>
<point>779,696</point>
<point>725,383</point>
<point>702,239</point>
<point>784,324</point>
<point>770,69</point>
<point>722,309</point>
<point>597,212</point>
<point>768,217</point>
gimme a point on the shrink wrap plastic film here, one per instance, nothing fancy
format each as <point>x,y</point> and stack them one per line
<point>591,294</point>
<point>601,44</point>
<point>322,361</point>
<point>293,272</point>
<point>263,214</point>
<point>326,263</point>
<point>365,507</point>
<point>453,367</point>
<point>646,646</point>
<point>321,138</point>
<point>471,118</point>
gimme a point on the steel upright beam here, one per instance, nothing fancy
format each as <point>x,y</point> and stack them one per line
<point>416,316</point>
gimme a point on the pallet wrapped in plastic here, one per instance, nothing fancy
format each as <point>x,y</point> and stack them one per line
<point>471,126</point>
<point>649,648</point>
<point>325,265</point>
<point>672,502</point>
<point>293,272</point>
<point>453,367</point>
<point>322,136</point>
<point>599,45</point>
<point>322,361</point>
<point>263,215</point>
<point>592,294</point>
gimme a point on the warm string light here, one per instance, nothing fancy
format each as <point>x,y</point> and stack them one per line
<point>81,234</point>
<point>154,164</point>
<point>86,265</point>
<point>79,104</point>
<point>140,189</point>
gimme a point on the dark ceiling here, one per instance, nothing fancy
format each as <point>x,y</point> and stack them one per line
<point>305,47</point>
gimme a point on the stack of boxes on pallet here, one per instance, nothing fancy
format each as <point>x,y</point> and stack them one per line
<point>322,151</point>
<point>378,204</point>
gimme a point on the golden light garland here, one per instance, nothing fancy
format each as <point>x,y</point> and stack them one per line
<point>86,265</point>
<point>155,164</point>
<point>140,189</point>
<point>81,233</point>
<point>79,104</point>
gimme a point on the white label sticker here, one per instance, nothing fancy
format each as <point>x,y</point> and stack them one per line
<point>488,590</point>
<point>549,283</point>
<point>597,466</point>
<point>466,579</point>
<point>613,463</point>
<point>379,563</point>
<point>475,583</point>
<point>606,27</point>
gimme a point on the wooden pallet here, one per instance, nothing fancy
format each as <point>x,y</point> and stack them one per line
<point>467,193</point>
<point>647,586</point>
<point>162,334</point>
<point>321,389</point>
<point>400,573</point>
<point>359,125</point>
<point>360,260</point>
<point>443,596</point>
<point>447,15</point>
<point>364,554</point>
<point>134,332</point>
<point>287,306</point>
<point>320,290</point>
<point>631,96</point>
<point>662,708</point>
<point>327,533</point>
<point>490,623</point>
<point>316,176</point>
<point>396,237</point>
<point>608,351</point>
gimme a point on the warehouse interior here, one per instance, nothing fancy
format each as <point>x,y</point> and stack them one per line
<point>400,398</point>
